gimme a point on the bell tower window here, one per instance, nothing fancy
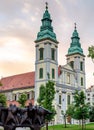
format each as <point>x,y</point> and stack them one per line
<point>53,54</point>
<point>72,64</point>
<point>41,53</point>
<point>41,73</point>
<point>81,66</point>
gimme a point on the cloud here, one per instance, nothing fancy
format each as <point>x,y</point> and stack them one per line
<point>20,22</point>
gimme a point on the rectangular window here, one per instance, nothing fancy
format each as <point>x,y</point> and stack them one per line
<point>53,53</point>
<point>53,73</point>
<point>68,78</point>
<point>68,99</point>
<point>14,97</point>
<point>41,53</point>
<point>59,99</point>
<point>81,81</point>
<point>72,64</point>
<point>41,73</point>
<point>28,96</point>
<point>81,66</point>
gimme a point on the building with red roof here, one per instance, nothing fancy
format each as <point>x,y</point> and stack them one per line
<point>67,78</point>
<point>15,85</point>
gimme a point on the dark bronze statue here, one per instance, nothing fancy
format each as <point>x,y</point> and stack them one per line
<point>30,116</point>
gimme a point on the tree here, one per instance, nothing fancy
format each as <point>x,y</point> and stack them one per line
<point>70,111</point>
<point>22,99</point>
<point>81,109</point>
<point>91,113</point>
<point>49,97</point>
<point>91,52</point>
<point>46,97</point>
<point>41,98</point>
<point>64,116</point>
<point>3,99</point>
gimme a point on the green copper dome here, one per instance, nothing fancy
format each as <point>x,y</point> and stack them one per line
<point>46,29</point>
<point>75,46</point>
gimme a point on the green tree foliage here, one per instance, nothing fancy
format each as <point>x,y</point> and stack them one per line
<point>46,97</point>
<point>41,98</point>
<point>3,99</point>
<point>22,99</point>
<point>64,117</point>
<point>91,52</point>
<point>81,109</point>
<point>91,113</point>
<point>70,110</point>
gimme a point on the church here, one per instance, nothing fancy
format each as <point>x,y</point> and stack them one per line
<point>67,78</point>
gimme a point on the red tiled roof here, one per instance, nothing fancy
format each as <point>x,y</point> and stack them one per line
<point>18,81</point>
<point>12,102</point>
<point>17,103</point>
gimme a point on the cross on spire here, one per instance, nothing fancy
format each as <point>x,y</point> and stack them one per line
<point>75,26</point>
<point>46,5</point>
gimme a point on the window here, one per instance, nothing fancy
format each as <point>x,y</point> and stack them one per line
<point>81,81</point>
<point>41,73</point>
<point>28,96</point>
<point>32,95</point>
<point>72,64</point>
<point>41,53</point>
<point>53,73</point>
<point>53,54</point>
<point>68,78</point>
<point>81,66</point>
<point>68,99</point>
<point>88,94</point>
<point>59,99</point>
<point>14,97</point>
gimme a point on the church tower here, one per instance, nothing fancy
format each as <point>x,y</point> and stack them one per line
<point>76,59</point>
<point>46,64</point>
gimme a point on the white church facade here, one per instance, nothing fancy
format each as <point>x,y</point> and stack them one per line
<point>67,78</point>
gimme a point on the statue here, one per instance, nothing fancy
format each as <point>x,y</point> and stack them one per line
<point>30,116</point>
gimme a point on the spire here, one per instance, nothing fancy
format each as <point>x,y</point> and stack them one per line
<point>46,29</point>
<point>46,6</point>
<point>75,46</point>
<point>75,26</point>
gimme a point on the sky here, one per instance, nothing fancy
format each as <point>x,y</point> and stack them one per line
<point>20,21</point>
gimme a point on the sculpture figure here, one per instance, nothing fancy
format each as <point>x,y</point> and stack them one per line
<point>30,116</point>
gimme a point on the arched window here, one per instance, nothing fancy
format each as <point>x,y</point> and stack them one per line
<point>41,53</point>
<point>41,73</point>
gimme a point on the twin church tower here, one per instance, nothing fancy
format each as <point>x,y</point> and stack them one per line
<point>68,77</point>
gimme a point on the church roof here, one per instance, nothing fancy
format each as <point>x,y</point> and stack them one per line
<point>46,29</point>
<point>75,46</point>
<point>19,81</point>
